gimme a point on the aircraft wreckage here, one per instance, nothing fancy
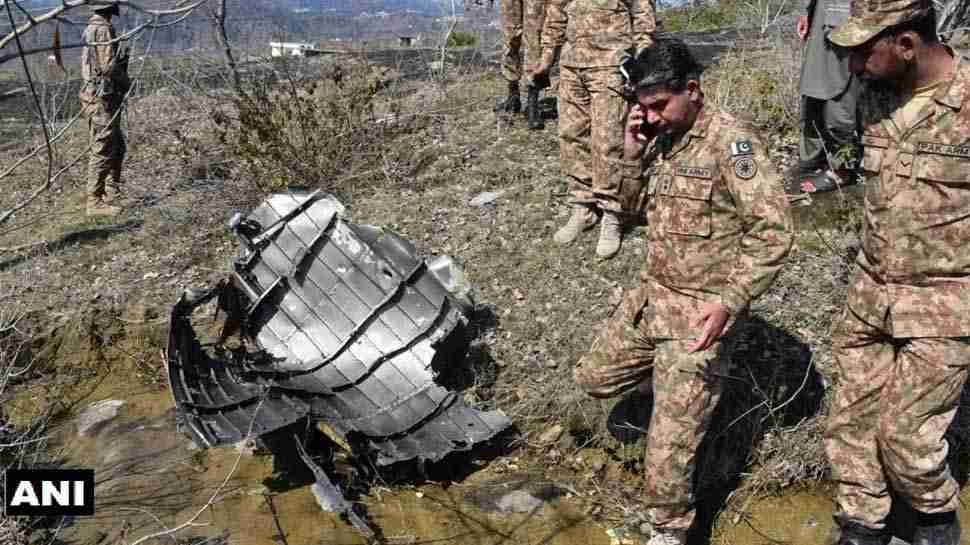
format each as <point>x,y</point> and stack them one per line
<point>349,326</point>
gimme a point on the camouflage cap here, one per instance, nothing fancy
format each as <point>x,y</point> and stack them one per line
<point>867,18</point>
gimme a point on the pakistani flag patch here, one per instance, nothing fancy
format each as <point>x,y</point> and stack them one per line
<point>741,147</point>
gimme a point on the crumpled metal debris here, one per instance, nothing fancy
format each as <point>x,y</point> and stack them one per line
<point>352,328</point>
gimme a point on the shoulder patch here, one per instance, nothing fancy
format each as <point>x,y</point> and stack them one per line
<point>742,147</point>
<point>745,167</point>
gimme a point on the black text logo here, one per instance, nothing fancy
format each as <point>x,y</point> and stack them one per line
<point>49,492</point>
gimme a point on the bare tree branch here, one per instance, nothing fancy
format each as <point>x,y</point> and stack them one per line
<point>219,19</point>
<point>40,108</point>
<point>67,5</point>
<point>232,471</point>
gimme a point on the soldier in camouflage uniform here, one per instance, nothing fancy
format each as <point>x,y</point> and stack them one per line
<point>592,35</point>
<point>104,69</point>
<point>901,345</point>
<point>522,22</point>
<point>720,229</point>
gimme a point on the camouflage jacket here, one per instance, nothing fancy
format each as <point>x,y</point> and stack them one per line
<point>103,75</point>
<point>719,223</point>
<point>595,32</point>
<point>913,272</point>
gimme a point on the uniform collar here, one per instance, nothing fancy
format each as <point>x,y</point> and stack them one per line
<point>703,121</point>
<point>697,130</point>
<point>954,93</point>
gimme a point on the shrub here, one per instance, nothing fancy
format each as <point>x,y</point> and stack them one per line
<point>759,82</point>
<point>462,39</point>
<point>304,131</point>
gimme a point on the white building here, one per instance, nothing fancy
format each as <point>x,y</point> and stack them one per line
<point>295,49</point>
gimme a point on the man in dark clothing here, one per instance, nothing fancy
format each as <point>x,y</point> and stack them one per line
<point>829,94</point>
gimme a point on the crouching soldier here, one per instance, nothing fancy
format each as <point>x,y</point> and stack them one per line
<point>719,231</point>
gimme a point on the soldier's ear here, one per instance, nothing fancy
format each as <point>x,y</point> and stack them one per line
<point>905,45</point>
<point>693,89</point>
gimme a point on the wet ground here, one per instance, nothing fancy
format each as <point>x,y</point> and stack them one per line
<point>153,478</point>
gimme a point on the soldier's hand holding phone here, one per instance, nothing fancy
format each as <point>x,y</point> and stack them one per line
<point>638,132</point>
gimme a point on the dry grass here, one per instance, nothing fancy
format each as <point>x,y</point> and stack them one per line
<point>759,81</point>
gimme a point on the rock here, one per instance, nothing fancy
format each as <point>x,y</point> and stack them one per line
<point>621,536</point>
<point>327,500</point>
<point>98,413</point>
<point>518,501</point>
<point>596,460</point>
<point>551,435</point>
<point>485,197</point>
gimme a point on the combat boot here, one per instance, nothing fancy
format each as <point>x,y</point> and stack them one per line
<point>532,109</point>
<point>582,218</point>
<point>851,533</point>
<point>937,529</point>
<point>512,103</point>
<point>97,207</point>
<point>609,242</point>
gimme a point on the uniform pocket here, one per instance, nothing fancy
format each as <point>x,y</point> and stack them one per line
<point>686,205</point>
<point>942,169</point>
<point>874,148</point>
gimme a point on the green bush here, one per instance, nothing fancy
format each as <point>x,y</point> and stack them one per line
<point>700,19</point>
<point>759,82</point>
<point>306,132</point>
<point>462,39</point>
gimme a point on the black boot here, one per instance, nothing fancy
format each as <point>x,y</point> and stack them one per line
<point>937,529</point>
<point>512,103</point>
<point>532,109</point>
<point>852,533</point>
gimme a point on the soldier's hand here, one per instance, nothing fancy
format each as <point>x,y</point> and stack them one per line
<point>635,137</point>
<point>801,27</point>
<point>540,69</point>
<point>713,317</point>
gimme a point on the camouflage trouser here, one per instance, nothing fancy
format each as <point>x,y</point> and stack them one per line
<point>107,151</point>
<point>521,25</point>
<point>894,400</point>
<point>686,389</point>
<point>591,115</point>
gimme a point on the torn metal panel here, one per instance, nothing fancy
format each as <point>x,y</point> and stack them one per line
<point>348,320</point>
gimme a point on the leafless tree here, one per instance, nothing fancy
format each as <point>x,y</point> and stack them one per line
<point>13,48</point>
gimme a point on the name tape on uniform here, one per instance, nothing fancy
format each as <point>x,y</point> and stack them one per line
<point>944,149</point>
<point>694,172</point>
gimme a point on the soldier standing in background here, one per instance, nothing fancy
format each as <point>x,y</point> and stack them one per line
<point>522,22</point>
<point>104,68</point>
<point>592,36</point>
<point>719,229</point>
<point>902,344</point>
<point>829,94</point>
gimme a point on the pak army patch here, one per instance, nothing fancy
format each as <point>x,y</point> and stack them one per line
<point>745,167</point>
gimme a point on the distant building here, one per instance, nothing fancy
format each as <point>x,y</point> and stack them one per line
<point>406,41</point>
<point>293,49</point>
